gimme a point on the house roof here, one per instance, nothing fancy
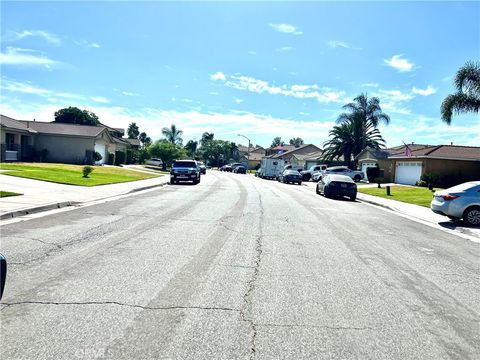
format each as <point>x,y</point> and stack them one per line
<point>301,150</point>
<point>283,148</point>
<point>309,156</point>
<point>10,123</point>
<point>134,142</point>
<point>56,128</point>
<point>244,149</point>
<point>254,156</point>
<point>455,152</point>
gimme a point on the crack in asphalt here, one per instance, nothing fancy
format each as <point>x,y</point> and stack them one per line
<point>173,307</point>
<point>318,326</point>
<point>251,284</point>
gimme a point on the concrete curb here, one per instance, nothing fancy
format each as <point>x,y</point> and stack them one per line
<point>37,209</point>
<point>47,207</point>
<point>378,204</point>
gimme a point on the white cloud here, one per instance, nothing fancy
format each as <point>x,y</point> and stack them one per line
<point>218,76</point>
<point>100,99</point>
<point>342,44</point>
<point>95,45</point>
<point>26,57</point>
<point>399,63</point>
<point>285,48</point>
<point>128,93</point>
<point>286,28</point>
<point>424,92</point>
<point>247,83</point>
<point>26,88</point>
<point>375,85</point>
<point>251,52</point>
<point>47,36</point>
<point>238,100</point>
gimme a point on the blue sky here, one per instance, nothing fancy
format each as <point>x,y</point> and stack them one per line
<point>261,69</point>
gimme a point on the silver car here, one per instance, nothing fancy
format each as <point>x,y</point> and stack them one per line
<point>459,202</point>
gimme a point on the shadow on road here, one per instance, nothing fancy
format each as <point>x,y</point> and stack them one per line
<point>452,225</point>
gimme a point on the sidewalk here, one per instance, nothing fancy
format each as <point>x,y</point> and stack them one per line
<point>42,195</point>
<point>419,212</point>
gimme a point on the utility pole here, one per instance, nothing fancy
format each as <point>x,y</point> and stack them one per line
<point>248,152</point>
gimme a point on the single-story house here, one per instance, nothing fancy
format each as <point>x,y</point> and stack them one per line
<point>57,142</point>
<point>454,163</point>
<point>254,156</point>
<point>279,149</point>
<point>300,155</point>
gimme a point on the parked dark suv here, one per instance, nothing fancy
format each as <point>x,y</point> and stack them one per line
<point>185,170</point>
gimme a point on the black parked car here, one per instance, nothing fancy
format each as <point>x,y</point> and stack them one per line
<point>337,186</point>
<point>239,169</point>
<point>185,170</point>
<point>203,168</point>
<point>290,176</point>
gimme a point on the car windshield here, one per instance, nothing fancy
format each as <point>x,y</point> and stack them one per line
<point>184,164</point>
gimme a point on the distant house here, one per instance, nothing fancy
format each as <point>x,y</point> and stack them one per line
<point>23,140</point>
<point>454,163</point>
<point>254,156</point>
<point>301,155</point>
<point>279,149</point>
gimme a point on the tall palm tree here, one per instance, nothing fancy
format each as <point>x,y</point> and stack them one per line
<point>191,148</point>
<point>349,138</point>
<point>467,97</point>
<point>368,109</point>
<point>173,135</point>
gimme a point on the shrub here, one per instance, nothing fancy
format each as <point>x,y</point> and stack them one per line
<point>87,170</point>
<point>111,158</point>
<point>421,183</point>
<point>432,179</point>
<point>378,180</point>
<point>97,156</point>
<point>119,157</point>
<point>373,173</point>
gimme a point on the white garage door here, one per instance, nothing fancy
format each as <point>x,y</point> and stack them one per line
<point>408,172</point>
<point>365,166</point>
<point>100,148</point>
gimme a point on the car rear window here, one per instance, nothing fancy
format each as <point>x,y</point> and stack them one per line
<point>184,164</point>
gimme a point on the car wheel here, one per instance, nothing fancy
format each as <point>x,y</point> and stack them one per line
<point>357,178</point>
<point>472,216</point>
<point>299,183</point>
<point>353,198</point>
<point>173,182</point>
<point>325,192</point>
<point>316,190</point>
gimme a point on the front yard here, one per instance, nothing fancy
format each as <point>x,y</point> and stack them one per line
<point>7,194</point>
<point>408,194</point>
<point>72,174</point>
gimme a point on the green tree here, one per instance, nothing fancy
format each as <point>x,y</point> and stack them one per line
<point>206,137</point>
<point>73,115</point>
<point>144,139</point>
<point>166,151</point>
<point>350,137</point>
<point>467,97</point>
<point>173,135</point>
<point>296,141</point>
<point>191,148</point>
<point>277,141</point>
<point>368,110</point>
<point>133,132</point>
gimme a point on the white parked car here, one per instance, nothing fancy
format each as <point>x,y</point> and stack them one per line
<point>154,162</point>
<point>356,175</point>
<point>459,202</point>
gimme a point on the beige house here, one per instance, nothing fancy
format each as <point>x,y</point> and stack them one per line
<point>299,156</point>
<point>254,156</point>
<point>57,142</point>
<point>454,163</point>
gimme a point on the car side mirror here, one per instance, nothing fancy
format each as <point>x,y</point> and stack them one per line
<point>3,273</point>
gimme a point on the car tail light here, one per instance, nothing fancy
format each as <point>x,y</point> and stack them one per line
<point>449,197</point>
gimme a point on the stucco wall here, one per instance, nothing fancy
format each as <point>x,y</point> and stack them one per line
<point>64,149</point>
<point>465,170</point>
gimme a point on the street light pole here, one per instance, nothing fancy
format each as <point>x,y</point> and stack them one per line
<point>248,152</point>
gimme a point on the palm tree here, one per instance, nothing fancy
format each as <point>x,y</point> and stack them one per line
<point>467,97</point>
<point>173,135</point>
<point>350,138</point>
<point>357,129</point>
<point>191,148</point>
<point>368,109</point>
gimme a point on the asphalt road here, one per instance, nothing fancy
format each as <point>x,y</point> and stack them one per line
<point>237,268</point>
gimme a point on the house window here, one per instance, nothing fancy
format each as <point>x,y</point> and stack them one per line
<point>10,141</point>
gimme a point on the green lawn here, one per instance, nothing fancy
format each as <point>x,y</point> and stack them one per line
<point>409,194</point>
<point>8,193</point>
<point>72,174</point>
